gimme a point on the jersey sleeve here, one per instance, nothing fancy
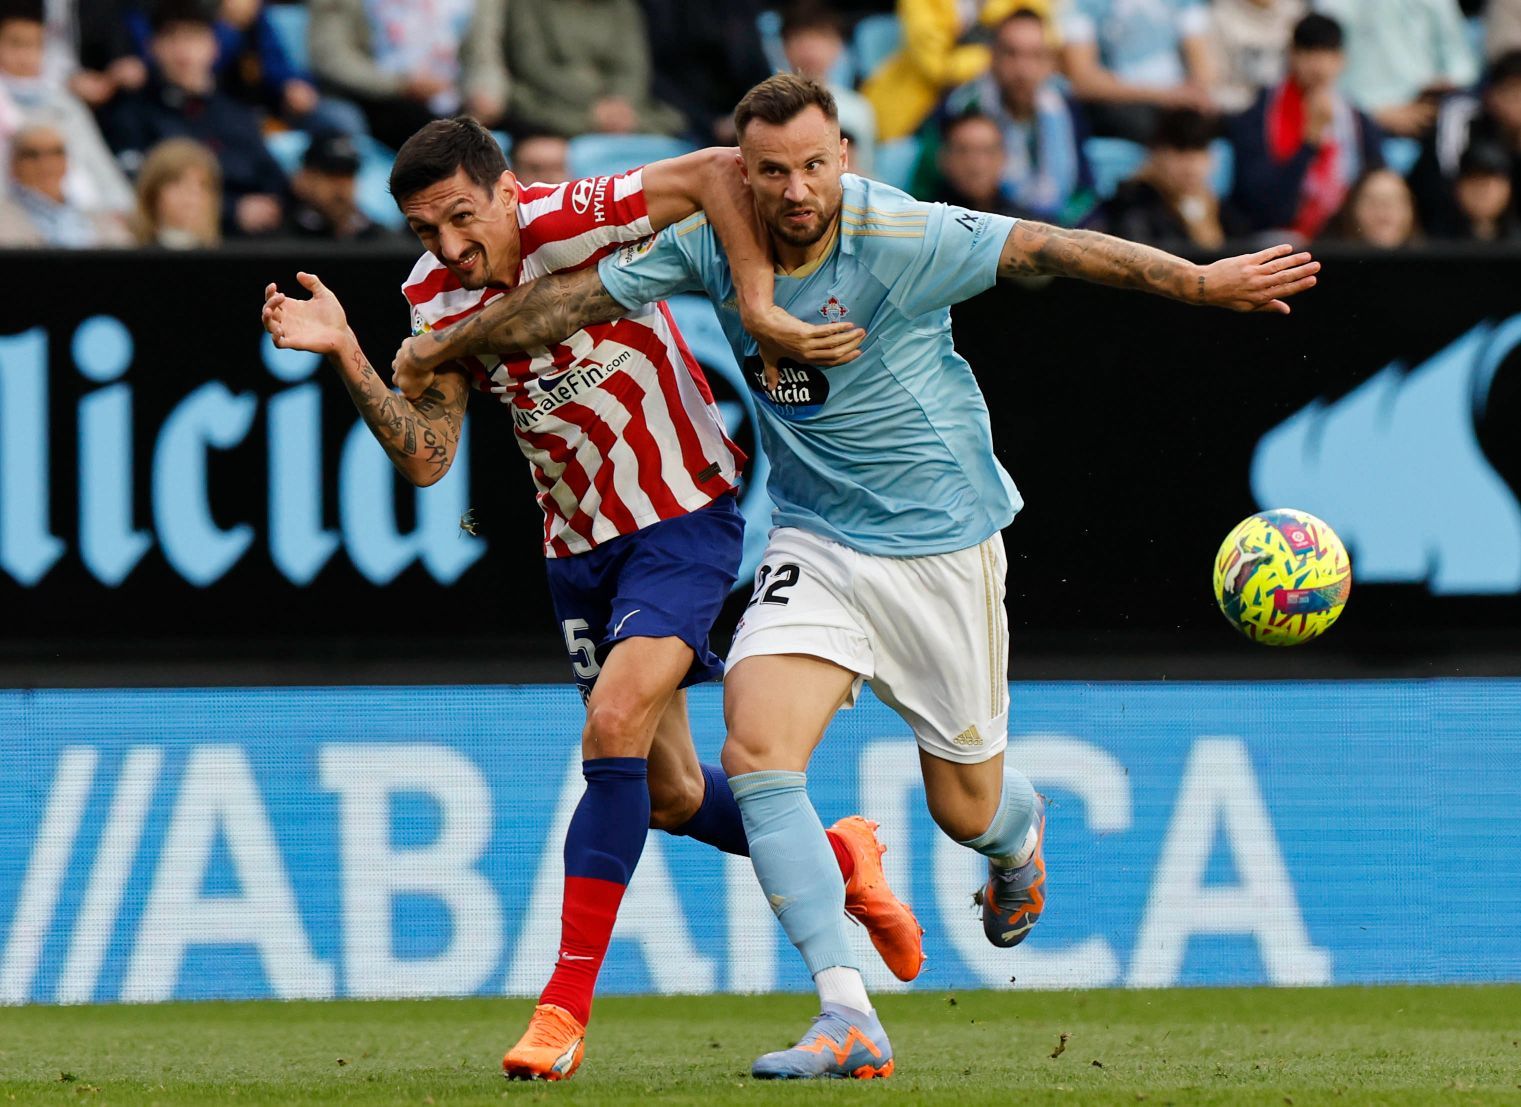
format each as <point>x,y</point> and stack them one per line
<point>612,209</point>
<point>658,266</point>
<point>954,258</point>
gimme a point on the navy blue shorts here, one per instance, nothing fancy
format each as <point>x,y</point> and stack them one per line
<point>668,580</point>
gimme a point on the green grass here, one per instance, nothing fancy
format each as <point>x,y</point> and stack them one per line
<point>1341,1046</point>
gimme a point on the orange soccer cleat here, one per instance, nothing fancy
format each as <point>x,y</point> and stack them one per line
<point>888,920</point>
<point>550,1049</point>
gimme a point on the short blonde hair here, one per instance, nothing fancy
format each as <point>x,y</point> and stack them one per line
<point>168,162</point>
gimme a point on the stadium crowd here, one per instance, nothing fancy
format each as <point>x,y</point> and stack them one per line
<point>1183,123</point>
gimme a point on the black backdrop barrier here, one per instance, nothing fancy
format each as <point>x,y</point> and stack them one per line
<point>172,488</point>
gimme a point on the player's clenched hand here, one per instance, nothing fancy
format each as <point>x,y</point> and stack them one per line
<point>1257,282</point>
<point>412,368</point>
<point>318,324</point>
<point>780,334</point>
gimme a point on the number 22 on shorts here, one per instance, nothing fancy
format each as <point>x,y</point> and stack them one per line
<point>774,590</point>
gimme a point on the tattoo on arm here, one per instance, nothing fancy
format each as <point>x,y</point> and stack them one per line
<point>1037,249</point>
<point>547,310</point>
<point>420,435</point>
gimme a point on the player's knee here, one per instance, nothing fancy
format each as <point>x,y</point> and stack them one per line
<point>615,728</point>
<point>960,816</point>
<point>750,752</point>
<point>674,799</point>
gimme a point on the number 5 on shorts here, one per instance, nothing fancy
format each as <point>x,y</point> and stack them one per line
<point>583,648</point>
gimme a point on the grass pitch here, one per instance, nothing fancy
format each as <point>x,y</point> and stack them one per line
<point>1342,1046</point>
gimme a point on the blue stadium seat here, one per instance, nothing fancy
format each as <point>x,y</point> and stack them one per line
<point>769,24</point>
<point>600,155</point>
<point>374,196</point>
<point>287,148</point>
<point>1113,160</point>
<point>289,22</point>
<point>877,38</point>
<point>504,140</point>
<point>1400,154</point>
<point>1223,172</point>
<point>896,160</point>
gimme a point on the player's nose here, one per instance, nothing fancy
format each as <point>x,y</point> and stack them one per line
<point>797,188</point>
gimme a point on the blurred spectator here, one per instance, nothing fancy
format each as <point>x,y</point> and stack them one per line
<point>1402,56</point>
<point>1128,59</point>
<point>179,197</point>
<point>407,62</point>
<point>252,66</point>
<point>1502,28</point>
<point>325,203</point>
<point>1483,195</point>
<point>705,56</point>
<point>37,212</point>
<point>1379,212</point>
<point>1251,41</point>
<point>971,162</point>
<point>938,54</point>
<point>181,100</point>
<point>1171,201</point>
<point>90,47</point>
<point>539,157</point>
<point>814,39</point>
<point>583,65</point>
<point>1493,117</point>
<point>94,182</point>
<point>1046,175</point>
<point>1301,145</point>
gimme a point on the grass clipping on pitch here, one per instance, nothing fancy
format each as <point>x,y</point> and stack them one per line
<point>1333,1045</point>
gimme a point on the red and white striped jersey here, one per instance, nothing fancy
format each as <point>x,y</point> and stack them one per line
<point>617,422</point>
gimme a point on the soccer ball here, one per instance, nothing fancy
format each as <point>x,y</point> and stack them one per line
<point>1282,577</point>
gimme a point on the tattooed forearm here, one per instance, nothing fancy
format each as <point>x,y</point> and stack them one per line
<point>534,314</point>
<point>419,435</point>
<point>1036,249</point>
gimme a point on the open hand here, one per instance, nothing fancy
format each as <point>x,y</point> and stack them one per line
<point>1257,282</point>
<point>318,324</point>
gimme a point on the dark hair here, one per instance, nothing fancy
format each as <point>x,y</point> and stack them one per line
<point>21,11</point>
<point>1023,14</point>
<point>1317,32</point>
<point>435,152</point>
<point>1507,67</point>
<point>782,98</point>
<point>167,13</point>
<point>1183,129</point>
<point>810,15</point>
<point>971,115</point>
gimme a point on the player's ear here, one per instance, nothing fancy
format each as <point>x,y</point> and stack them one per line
<point>844,154</point>
<point>744,170</point>
<point>507,188</point>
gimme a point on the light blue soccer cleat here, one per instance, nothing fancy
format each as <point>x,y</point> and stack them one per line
<point>840,1043</point>
<point>1013,899</point>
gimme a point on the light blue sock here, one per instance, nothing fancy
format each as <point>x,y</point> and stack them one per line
<point>1005,836</point>
<point>795,865</point>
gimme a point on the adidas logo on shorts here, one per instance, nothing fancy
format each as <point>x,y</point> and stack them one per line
<point>968,737</point>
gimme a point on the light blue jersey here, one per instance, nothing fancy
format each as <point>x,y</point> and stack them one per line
<point>892,453</point>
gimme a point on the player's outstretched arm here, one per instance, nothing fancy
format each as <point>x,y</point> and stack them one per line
<point>537,313</point>
<point>1249,282</point>
<point>711,181</point>
<point>419,435</point>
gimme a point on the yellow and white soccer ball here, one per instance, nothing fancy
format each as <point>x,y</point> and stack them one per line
<point>1282,577</point>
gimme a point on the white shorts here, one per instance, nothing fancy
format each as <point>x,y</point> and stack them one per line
<point>928,633</point>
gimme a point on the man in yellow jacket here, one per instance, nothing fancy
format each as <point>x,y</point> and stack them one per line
<point>935,58</point>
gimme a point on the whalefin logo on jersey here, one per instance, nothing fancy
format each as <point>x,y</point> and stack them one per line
<point>833,311</point>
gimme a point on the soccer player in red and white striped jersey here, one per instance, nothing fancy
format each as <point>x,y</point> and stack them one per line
<point>635,474</point>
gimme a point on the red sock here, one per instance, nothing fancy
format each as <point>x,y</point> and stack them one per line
<point>586,927</point>
<point>842,855</point>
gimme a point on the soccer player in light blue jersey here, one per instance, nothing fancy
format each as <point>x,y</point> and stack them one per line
<point>886,564</point>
